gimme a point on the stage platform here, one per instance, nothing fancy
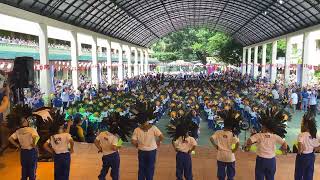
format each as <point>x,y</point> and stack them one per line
<point>86,165</point>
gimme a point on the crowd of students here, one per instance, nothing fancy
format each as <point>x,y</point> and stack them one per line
<point>229,103</point>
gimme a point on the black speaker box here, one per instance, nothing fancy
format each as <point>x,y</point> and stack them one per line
<point>23,72</point>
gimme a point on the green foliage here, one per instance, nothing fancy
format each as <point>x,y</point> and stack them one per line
<point>197,44</point>
<point>317,74</point>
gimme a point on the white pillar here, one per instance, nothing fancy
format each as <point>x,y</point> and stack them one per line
<point>128,56</point>
<point>273,73</point>
<point>287,61</point>
<point>243,66</point>
<point>308,48</point>
<point>249,61</point>
<point>74,59</point>
<point>45,81</point>
<point>136,64</point>
<point>264,59</point>
<point>141,62</point>
<point>94,68</point>
<point>255,62</point>
<point>146,65</point>
<point>120,64</point>
<point>109,63</point>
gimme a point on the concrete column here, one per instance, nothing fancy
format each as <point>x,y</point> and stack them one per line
<point>94,68</point>
<point>264,59</point>
<point>243,65</point>
<point>136,64</point>
<point>128,55</point>
<point>120,64</point>
<point>141,62</point>
<point>287,61</point>
<point>109,64</point>
<point>273,73</point>
<point>146,65</point>
<point>74,59</point>
<point>308,48</point>
<point>45,81</point>
<point>255,62</point>
<point>249,62</point>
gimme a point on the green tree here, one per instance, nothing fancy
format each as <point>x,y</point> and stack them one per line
<point>197,44</point>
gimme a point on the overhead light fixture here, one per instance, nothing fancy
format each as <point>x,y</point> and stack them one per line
<point>280,1</point>
<point>265,12</point>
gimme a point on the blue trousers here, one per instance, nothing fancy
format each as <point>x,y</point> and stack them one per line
<point>223,167</point>
<point>62,166</point>
<point>28,160</point>
<point>110,161</point>
<point>305,104</point>
<point>147,160</point>
<point>183,166</point>
<point>265,168</point>
<point>304,166</point>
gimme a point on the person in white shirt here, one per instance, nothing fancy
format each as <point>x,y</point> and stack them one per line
<point>65,98</point>
<point>272,132</point>
<point>146,138</point>
<point>307,142</point>
<point>223,140</point>
<point>313,101</point>
<point>275,95</point>
<point>294,101</point>
<point>27,140</point>
<point>58,145</point>
<point>183,145</point>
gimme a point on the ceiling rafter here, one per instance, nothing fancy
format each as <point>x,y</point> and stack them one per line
<point>144,21</point>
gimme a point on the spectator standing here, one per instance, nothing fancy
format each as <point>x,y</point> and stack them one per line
<point>275,95</point>
<point>65,98</point>
<point>294,101</point>
<point>305,100</point>
<point>313,101</point>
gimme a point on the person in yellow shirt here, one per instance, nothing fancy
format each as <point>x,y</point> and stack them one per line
<point>183,144</point>
<point>307,143</point>
<point>272,133</point>
<point>25,139</point>
<point>146,138</point>
<point>58,145</point>
<point>76,130</point>
<point>223,140</point>
<point>108,142</point>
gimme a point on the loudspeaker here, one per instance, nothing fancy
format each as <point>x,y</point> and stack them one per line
<point>23,72</point>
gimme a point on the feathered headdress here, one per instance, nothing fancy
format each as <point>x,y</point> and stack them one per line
<point>120,125</point>
<point>181,126</point>
<point>309,122</point>
<point>143,112</point>
<point>58,119</point>
<point>16,114</point>
<point>274,121</point>
<point>232,119</point>
<point>19,111</point>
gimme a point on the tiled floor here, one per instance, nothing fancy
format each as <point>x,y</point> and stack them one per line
<point>86,164</point>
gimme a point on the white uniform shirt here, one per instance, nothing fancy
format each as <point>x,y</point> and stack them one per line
<point>313,99</point>
<point>65,97</point>
<point>186,145</point>
<point>308,142</point>
<point>146,139</point>
<point>25,137</point>
<point>294,98</point>
<point>275,94</point>
<point>266,144</point>
<point>107,140</point>
<point>224,140</point>
<point>60,142</point>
